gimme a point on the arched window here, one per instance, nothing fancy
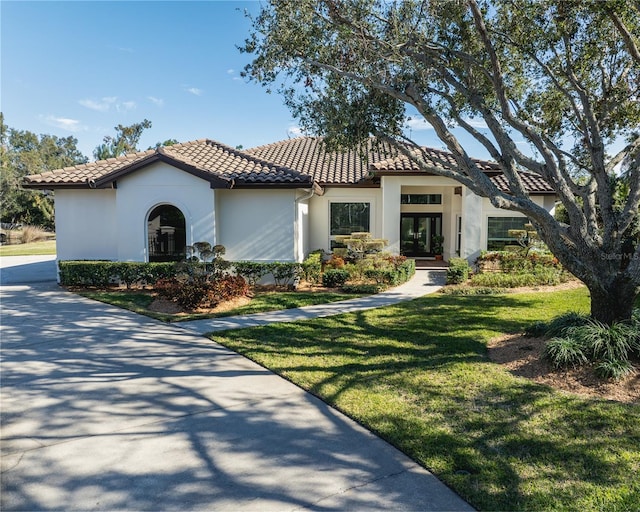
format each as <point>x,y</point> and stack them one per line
<point>166,231</point>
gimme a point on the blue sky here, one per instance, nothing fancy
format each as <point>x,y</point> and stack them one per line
<point>82,67</point>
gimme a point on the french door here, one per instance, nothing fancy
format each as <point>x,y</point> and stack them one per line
<point>416,231</point>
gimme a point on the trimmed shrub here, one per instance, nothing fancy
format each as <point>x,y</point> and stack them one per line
<point>103,273</point>
<point>364,288</point>
<point>334,278</point>
<point>458,271</point>
<point>251,271</point>
<point>285,274</point>
<point>194,294</point>
<point>225,288</point>
<point>312,267</point>
<point>471,290</point>
<point>540,277</point>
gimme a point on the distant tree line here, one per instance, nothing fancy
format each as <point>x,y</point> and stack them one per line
<point>23,153</point>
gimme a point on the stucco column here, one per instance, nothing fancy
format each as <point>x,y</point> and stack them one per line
<point>391,212</point>
<point>472,220</point>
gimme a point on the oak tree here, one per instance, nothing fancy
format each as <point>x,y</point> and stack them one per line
<point>561,75</point>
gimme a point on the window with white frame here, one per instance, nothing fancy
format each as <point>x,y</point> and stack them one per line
<point>498,231</point>
<point>346,218</point>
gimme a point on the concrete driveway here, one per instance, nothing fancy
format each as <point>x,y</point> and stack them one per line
<point>103,409</point>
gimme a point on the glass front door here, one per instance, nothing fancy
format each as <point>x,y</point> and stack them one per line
<point>416,231</point>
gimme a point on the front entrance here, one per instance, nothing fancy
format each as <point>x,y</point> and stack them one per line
<point>416,232</point>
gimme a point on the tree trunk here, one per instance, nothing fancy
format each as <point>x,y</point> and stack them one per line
<point>613,304</point>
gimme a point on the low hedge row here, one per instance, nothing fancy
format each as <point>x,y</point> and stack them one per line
<point>104,273</point>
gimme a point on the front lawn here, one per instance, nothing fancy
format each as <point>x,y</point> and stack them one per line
<point>418,375</point>
<point>139,302</point>
<point>31,249</point>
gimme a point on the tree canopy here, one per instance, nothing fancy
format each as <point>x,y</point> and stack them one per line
<point>125,141</point>
<point>562,76</point>
<point>21,153</point>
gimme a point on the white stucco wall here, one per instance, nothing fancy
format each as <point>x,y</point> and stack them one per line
<point>257,225</point>
<point>141,191</point>
<point>319,213</point>
<point>86,224</point>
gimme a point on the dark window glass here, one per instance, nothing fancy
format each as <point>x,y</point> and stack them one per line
<point>498,231</point>
<point>347,218</point>
<point>166,232</point>
<point>420,199</point>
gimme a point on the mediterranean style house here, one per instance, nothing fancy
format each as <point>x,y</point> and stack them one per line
<point>272,203</point>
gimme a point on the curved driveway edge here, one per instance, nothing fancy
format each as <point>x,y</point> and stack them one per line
<point>422,283</point>
<point>103,409</point>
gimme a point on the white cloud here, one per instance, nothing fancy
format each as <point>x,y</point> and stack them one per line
<point>295,131</point>
<point>156,101</point>
<point>108,103</point>
<point>65,123</point>
<point>195,91</point>
<point>417,123</point>
<point>102,105</point>
<point>125,105</point>
<point>230,71</point>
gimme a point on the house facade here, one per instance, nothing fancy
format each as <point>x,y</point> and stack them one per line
<point>272,203</point>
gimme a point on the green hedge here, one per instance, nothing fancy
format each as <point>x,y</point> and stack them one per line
<point>458,271</point>
<point>334,277</point>
<point>312,267</point>
<point>284,273</point>
<point>104,273</point>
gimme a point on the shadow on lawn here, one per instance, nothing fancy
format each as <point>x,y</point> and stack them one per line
<point>418,375</point>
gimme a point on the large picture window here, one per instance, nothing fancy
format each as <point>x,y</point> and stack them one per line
<point>498,231</point>
<point>347,218</point>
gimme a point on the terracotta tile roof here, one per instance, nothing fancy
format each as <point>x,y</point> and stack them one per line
<point>293,162</point>
<point>207,159</point>
<point>533,183</point>
<point>309,156</point>
<point>81,174</point>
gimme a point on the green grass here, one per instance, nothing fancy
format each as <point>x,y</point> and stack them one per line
<point>31,249</point>
<point>139,301</point>
<point>418,375</point>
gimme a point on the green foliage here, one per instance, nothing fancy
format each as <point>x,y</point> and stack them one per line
<point>425,382</point>
<point>285,274</point>
<point>533,69</point>
<point>578,339</point>
<point>312,267</point>
<point>458,271</point>
<point>558,326</point>
<point>334,277</point>
<point>103,273</point>
<point>125,141</point>
<point>192,294</point>
<point>472,290</point>
<point>565,351</point>
<point>251,271</point>
<point>23,153</point>
<point>540,277</point>
<point>363,288</point>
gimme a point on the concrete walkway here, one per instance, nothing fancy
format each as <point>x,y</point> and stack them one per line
<point>103,409</point>
<point>422,283</point>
